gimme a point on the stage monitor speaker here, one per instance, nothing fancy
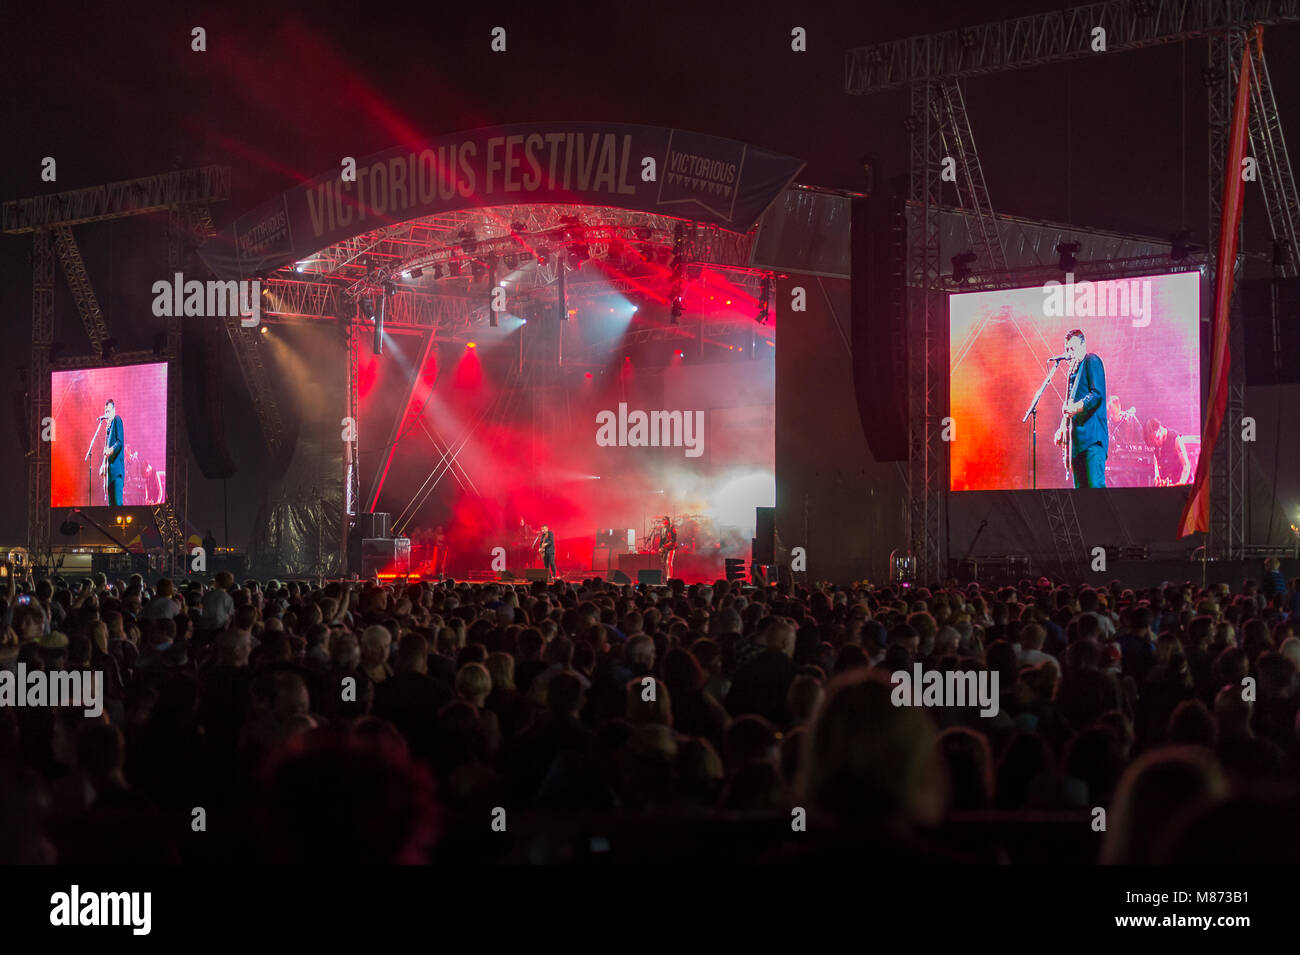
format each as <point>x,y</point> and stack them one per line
<point>620,578</point>
<point>631,563</point>
<point>650,577</point>
<point>878,319</point>
<point>385,555</point>
<point>374,524</point>
<point>505,575</point>
<point>534,573</point>
<point>1271,314</point>
<point>764,548</point>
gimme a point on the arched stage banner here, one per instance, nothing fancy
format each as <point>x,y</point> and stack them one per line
<point>706,178</point>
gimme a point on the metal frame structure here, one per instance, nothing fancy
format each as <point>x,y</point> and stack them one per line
<point>184,195</point>
<point>932,66</point>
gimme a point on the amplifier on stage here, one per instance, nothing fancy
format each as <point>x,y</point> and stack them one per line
<point>385,555</point>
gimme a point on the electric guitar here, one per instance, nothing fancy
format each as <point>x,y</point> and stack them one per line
<point>1067,453</point>
<point>103,470</point>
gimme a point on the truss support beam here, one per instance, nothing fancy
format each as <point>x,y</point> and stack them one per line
<point>1053,37</point>
<point>117,200</point>
<point>926,367</point>
<point>38,403</point>
<point>83,293</point>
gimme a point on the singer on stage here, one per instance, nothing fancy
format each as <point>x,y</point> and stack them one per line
<point>545,546</point>
<point>1083,429</point>
<point>113,470</point>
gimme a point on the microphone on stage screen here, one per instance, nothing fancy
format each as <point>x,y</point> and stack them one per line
<point>102,417</point>
<point>1059,358</point>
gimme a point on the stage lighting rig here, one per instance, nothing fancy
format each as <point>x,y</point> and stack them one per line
<point>468,241</point>
<point>765,298</point>
<point>1066,252</point>
<point>961,267</point>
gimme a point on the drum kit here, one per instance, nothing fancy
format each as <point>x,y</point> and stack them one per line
<point>144,485</point>
<point>695,532</point>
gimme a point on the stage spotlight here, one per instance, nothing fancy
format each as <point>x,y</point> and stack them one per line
<point>471,344</point>
<point>588,375</point>
<point>300,267</point>
<point>1065,252</point>
<point>367,303</point>
<point>679,353</point>
<point>626,359</point>
<point>645,251</point>
<point>264,330</point>
<point>510,261</point>
<point>518,227</point>
<point>543,256</point>
<point>676,313</point>
<point>416,273</point>
<point>1181,245</point>
<point>961,264</point>
<point>478,269</point>
<point>108,348</point>
<point>467,240</point>
<point>437,271</point>
<point>69,528</point>
<point>406,274</point>
<point>453,268</point>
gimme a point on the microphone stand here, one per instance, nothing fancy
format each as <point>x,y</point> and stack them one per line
<point>1033,410</point>
<point>90,480</point>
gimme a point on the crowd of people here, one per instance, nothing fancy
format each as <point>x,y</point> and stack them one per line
<point>353,721</point>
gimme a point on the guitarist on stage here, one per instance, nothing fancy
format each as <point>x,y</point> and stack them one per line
<point>113,470</point>
<point>545,547</point>
<point>1083,432</point>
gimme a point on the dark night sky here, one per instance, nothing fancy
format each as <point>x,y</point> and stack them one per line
<point>114,93</point>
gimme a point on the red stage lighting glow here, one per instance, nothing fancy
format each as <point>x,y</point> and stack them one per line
<point>679,353</point>
<point>588,374</point>
<point>627,358</point>
<point>471,344</point>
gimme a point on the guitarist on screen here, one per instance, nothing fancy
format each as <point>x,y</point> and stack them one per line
<point>113,470</point>
<point>1084,433</point>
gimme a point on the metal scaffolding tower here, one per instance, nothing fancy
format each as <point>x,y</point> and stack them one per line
<point>184,196</point>
<point>931,66</point>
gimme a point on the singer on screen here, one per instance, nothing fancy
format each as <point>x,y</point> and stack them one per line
<point>1083,434</point>
<point>113,469</point>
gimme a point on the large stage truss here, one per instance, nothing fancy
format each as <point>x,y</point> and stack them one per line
<point>932,68</point>
<point>184,195</point>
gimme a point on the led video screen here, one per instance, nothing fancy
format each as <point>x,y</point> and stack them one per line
<point>108,440</point>
<point>1122,407</point>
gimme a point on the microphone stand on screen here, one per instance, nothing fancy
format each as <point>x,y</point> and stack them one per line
<point>1033,412</point>
<point>90,468</point>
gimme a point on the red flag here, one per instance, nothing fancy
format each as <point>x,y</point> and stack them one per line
<point>1196,512</point>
